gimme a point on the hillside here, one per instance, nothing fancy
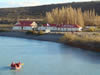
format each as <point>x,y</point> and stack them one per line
<point>39,11</point>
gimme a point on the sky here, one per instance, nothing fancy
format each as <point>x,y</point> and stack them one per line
<point>22,3</point>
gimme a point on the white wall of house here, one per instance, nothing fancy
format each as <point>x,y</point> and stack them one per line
<point>60,29</point>
<point>27,28</point>
<point>34,25</point>
<point>17,28</point>
<point>80,29</point>
<point>47,31</point>
<point>30,27</point>
<point>42,28</point>
<point>20,28</point>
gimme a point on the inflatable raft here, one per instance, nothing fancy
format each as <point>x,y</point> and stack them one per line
<point>16,66</point>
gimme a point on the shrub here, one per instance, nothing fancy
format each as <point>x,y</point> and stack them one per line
<point>35,32</point>
<point>85,40</point>
<point>98,34</point>
<point>92,29</point>
<point>29,32</point>
<point>41,32</point>
<point>69,37</point>
<point>5,30</point>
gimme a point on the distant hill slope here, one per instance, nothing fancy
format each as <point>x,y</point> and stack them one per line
<point>39,11</point>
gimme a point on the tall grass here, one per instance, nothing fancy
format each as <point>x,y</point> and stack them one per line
<point>86,40</point>
<point>6,25</point>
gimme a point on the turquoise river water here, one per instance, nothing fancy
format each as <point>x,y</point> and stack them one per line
<point>46,58</point>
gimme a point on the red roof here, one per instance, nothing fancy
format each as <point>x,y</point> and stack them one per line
<point>62,25</point>
<point>71,26</point>
<point>24,23</point>
<point>51,25</point>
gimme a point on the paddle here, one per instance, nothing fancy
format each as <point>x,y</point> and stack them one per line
<point>22,64</point>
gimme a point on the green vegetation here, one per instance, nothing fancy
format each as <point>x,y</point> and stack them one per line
<point>41,32</point>
<point>88,41</point>
<point>5,27</point>
<point>92,29</point>
<point>96,34</point>
<point>5,30</point>
<point>31,32</point>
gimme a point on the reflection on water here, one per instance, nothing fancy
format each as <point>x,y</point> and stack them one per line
<point>46,58</point>
<point>83,55</point>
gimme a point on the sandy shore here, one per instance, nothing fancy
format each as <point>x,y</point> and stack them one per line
<point>46,37</point>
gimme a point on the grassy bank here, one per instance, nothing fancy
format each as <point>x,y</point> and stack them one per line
<point>86,41</point>
<point>6,27</point>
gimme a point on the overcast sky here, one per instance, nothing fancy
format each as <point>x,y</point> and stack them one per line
<point>20,3</point>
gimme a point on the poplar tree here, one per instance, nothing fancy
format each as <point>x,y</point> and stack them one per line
<point>69,15</point>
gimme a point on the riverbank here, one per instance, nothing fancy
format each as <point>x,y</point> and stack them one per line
<point>46,37</point>
<point>89,41</point>
<point>71,40</point>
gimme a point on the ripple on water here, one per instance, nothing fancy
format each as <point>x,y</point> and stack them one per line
<point>46,58</point>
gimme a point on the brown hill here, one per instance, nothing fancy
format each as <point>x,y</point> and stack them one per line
<point>39,11</point>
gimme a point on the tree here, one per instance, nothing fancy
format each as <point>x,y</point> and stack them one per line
<point>69,15</point>
<point>80,20</point>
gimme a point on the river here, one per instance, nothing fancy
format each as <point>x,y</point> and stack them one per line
<point>46,58</point>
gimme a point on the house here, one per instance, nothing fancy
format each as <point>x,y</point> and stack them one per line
<point>60,27</point>
<point>25,25</point>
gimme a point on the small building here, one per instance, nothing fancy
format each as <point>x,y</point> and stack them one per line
<point>60,27</point>
<point>25,25</point>
<point>90,26</point>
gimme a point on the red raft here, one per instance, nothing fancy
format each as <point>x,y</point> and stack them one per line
<point>16,66</point>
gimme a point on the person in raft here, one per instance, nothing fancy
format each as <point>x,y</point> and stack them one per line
<point>15,64</point>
